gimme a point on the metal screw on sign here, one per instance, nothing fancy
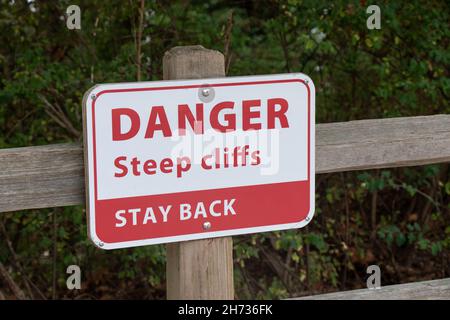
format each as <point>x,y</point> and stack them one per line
<point>207,225</point>
<point>101,244</point>
<point>205,92</point>
<point>93,97</point>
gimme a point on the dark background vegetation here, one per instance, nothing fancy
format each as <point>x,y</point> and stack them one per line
<point>396,218</point>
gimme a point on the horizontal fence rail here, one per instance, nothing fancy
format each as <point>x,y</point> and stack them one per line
<point>53,175</point>
<point>425,290</point>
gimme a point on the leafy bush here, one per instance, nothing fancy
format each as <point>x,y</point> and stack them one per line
<point>396,218</point>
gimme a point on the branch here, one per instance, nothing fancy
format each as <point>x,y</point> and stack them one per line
<point>10,281</point>
<point>139,40</point>
<point>57,114</point>
<point>19,266</point>
<point>227,41</point>
<point>284,46</point>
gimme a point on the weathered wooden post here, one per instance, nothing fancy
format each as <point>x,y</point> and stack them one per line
<point>200,269</point>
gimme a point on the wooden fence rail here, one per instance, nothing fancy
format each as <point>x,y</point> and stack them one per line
<point>425,290</point>
<point>53,175</point>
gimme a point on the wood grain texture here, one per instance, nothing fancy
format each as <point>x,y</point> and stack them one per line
<point>41,177</point>
<point>52,175</point>
<point>426,290</point>
<point>200,269</point>
<point>192,62</point>
<point>382,143</point>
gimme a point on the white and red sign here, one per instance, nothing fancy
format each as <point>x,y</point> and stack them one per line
<point>181,160</point>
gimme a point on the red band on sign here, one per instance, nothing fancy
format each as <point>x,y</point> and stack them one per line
<point>252,207</point>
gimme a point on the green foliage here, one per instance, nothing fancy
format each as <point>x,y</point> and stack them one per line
<point>387,217</point>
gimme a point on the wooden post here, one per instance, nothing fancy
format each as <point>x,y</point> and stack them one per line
<point>200,269</point>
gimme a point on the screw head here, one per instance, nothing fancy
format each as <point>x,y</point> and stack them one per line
<point>307,219</point>
<point>207,225</point>
<point>101,244</point>
<point>205,92</point>
<point>93,96</point>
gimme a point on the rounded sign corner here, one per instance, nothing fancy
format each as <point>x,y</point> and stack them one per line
<point>88,94</point>
<point>308,218</point>
<point>97,241</point>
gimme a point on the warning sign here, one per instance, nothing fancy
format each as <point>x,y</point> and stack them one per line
<point>180,160</point>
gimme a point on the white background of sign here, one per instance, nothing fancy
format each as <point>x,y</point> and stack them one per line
<point>289,165</point>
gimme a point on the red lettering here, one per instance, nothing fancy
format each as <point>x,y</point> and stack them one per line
<point>280,114</point>
<point>248,114</point>
<point>256,159</point>
<point>222,118</point>
<point>135,164</point>
<point>155,114</point>
<point>121,167</point>
<point>204,164</point>
<point>230,118</point>
<point>183,168</point>
<point>166,165</point>
<point>196,123</point>
<point>150,166</point>
<point>117,134</point>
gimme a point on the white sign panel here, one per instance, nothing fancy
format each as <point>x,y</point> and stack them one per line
<point>180,160</point>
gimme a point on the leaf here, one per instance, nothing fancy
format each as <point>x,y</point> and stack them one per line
<point>447,188</point>
<point>436,248</point>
